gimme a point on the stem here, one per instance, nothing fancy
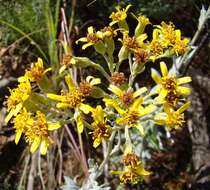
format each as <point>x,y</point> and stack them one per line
<point>127,136</point>
<point>27,159</point>
<point>40,171</point>
<point>101,69</point>
<point>132,75</point>
<point>108,151</point>
<point>118,66</point>
<point>110,65</point>
<point>83,153</point>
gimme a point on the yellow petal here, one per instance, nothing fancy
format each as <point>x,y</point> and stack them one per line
<point>127,7</point>
<point>139,92</point>
<point>44,146</point>
<point>17,136</point>
<point>95,81</point>
<point>63,68</point>
<point>70,82</point>
<point>163,93</point>
<point>183,90</point>
<point>184,107</point>
<point>39,63</point>
<point>147,110</point>
<point>35,144</point>
<point>90,30</point>
<point>83,39</point>
<point>155,76</point>
<point>117,91</point>
<point>56,97</point>
<point>87,45</point>
<point>137,103</point>
<point>164,69</point>
<point>140,128</point>
<point>22,79</point>
<point>183,80</point>
<point>62,105</point>
<point>96,142</point>
<point>80,124</point>
<point>141,171</point>
<point>98,114</point>
<point>53,126</point>
<point>85,108</point>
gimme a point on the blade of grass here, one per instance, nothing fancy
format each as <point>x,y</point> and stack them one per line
<point>26,36</point>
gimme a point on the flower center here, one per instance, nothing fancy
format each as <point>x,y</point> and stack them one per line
<point>169,83</point>
<point>172,98</point>
<point>36,130</point>
<point>176,120</point>
<point>101,131</point>
<point>85,88</point>
<point>73,98</point>
<point>140,56</point>
<point>130,42</point>
<point>130,118</point>
<point>118,78</point>
<point>131,160</point>
<point>92,38</point>
<point>129,177</point>
<point>127,98</point>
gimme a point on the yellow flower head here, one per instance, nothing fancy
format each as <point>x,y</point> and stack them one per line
<point>143,20</point>
<point>71,99</point>
<point>37,133</point>
<point>133,170</point>
<point>102,131</point>
<point>131,113</point>
<point>180,45</point>
<point>92,38</point>
<point>120,15</point>
<point>87,85</point>
<point>169,85</point>
<point>35,73</point>
<point>167,33</point>
<point>170,118</point>
<point>156,46</point>
<point>21,122</point>
<point>16,99</point>
<point>133,43</point>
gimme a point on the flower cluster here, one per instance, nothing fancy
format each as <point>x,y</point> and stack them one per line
<point>108,104</point>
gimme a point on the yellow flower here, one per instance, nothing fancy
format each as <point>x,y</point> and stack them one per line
<point>119,16</point>
<point>21,122</point>
<point>35,73</point>
<point>170,118</point>
<point>143,21</point>
<point>180,45</point>
<point>86,86</point>
<point>17,98</point>
<point>169,83</point>
<point>73,99</point>
<point>91,39</point>
<point>133,43</point>
<point>133,169</point>
<point>156,46</point>
<point>102,131</point>
<point>37,133</point>
<point>167,33</point>
<point>131,115</point>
